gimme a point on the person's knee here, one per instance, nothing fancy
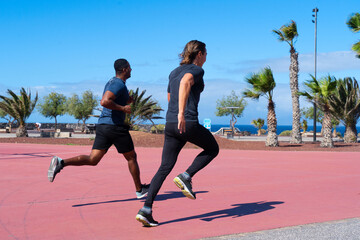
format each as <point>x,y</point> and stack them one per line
<point>130,156</point>
<point>214,151</point>
<point>217,150</point>
<point>93,161</point>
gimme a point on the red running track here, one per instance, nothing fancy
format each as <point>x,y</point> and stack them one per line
<point>240,191</point>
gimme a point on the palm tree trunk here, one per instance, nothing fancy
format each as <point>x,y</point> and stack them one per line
<point>21,131</point>
<point>272,138</point>
<point>294,87</point>
<point>327,127</point>
<point>350,135</point>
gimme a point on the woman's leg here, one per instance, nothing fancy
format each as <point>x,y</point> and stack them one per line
<point>171,150</point>
<point>203,138</point>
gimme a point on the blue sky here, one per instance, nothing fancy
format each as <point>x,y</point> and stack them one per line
<point>70,46</point>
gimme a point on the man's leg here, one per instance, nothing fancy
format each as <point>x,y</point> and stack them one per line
<point>131,158</point>
<point>57,164</point>
<point>93,159</point>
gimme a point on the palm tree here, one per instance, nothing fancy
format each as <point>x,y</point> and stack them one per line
<point>19,107</point>
<point>263,84</point>
<point>345,105</point>
<point>142,109</point>
<point>288,33</point>
<point>258,123</point>
<point>354,25</point>
<point>319,92</point>
<point>304,125</point>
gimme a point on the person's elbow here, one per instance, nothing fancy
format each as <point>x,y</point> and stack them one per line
<point>105,102</point>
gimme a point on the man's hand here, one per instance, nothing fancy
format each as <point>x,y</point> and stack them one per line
<point>127,109</point>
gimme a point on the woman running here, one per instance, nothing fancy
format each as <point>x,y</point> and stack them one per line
<point>182,125</point>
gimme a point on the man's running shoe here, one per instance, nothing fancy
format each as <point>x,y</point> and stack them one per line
<point>143,192</point>
<point>55,168</point>
<point>185,186</point>
<point>146,219</point>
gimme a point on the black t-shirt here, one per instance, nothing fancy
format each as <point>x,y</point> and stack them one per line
<point>191,109</point>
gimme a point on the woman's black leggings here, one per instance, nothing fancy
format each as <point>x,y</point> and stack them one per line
<point>174,142</point>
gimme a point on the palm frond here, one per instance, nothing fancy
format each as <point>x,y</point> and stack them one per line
<point>354,22</point>
<point>143,108</point>
<point>279,34</point>
<point>287,33</point>
<point>19,107</point>
<point>356,48</point>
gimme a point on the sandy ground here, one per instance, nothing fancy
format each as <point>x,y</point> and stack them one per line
<point>142,139</point>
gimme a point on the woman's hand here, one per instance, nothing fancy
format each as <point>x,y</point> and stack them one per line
<point>181,123</point>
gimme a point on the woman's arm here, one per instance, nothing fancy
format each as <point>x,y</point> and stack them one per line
<point>184,90</point>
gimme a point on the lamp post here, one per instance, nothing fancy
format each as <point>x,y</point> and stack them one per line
<point>315,10</point>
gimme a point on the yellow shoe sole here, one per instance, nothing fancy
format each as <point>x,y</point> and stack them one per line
<point>183,188</point>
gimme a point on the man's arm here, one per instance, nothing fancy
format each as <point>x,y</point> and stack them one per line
<point>184,90</point>
<point>108,102</point>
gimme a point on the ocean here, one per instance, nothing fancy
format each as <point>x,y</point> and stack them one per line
<point>280,128</point>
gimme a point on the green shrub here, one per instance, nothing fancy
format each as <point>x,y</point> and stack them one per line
<point>286,133</point>
<point>135,128</point>
<point>160,128</point>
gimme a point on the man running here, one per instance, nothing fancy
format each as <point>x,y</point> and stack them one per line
<point>110,130</point>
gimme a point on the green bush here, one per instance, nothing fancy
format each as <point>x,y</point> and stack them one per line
<point>286,133</point>
<point>160,128</point>
<point>135,128</point>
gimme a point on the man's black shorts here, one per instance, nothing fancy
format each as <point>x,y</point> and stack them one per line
<point>107,134</point>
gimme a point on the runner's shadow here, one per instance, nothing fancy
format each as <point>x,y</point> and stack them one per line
<point>160,197</point>
<point>37,155</point>
<point>238,210</point>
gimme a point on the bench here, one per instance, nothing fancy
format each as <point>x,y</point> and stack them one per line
<point>90,128</point>
<point>57,134</point>
<point>65,130</point>
<point>228,133</point>
<point>5,130</point>
<point>46,134</point>
<point>62,134</point>
<point>310,134</point>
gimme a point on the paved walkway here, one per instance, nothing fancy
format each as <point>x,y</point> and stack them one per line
<point>240,192</point>
<point>334,230</point>
<point>236,138</point>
